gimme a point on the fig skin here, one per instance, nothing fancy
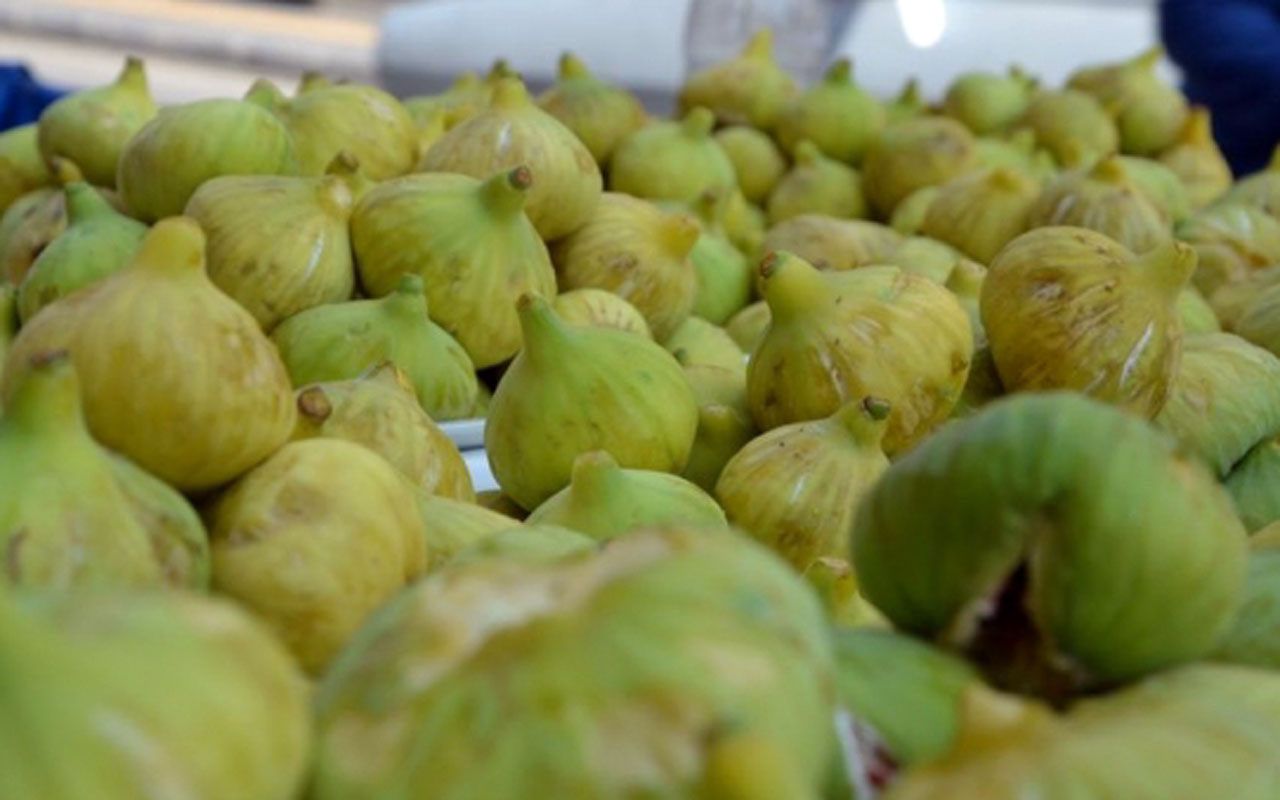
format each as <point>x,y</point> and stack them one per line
<point>749,89</point>
<point>599,113</point>
<point>723,430</point>
<point>979,214</point>
<point>1073,126</point>
<point>452,526</point>
<point>364,121</point>
<point>600,308</point>
<point>913,154</point>
<point>1149,113</point>
<point>1252,639</point>
<point>967,541</point>
<point>835,114</point>
<point>1232,241</point>
<point>675,160</point>
<point>1103,198</point>
<point>1196,313</point>
<point>833,244</point>
<point>749,326</point>
<point>817,185</point>
<point>1197,160</point>
<point>527,544</point>
<point>1260,190</point>
<point>757,161</point>
<point>1252,483</point>
<point>989,103</point>
<point>22,168</point>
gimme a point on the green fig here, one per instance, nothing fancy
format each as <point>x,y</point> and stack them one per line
<point>453,525</point>
<point>677,160</point>
<point>28,226</point>
<point>817,184</point>
<point>835,337</point>
<point>1232,240</point>
<point>796,488</point>
<point>723,384</point>
<point>907,103</point>
<point>913,154</point>
<point>757,161</point>
<point>1017,151</point>
<point>702,342</point>
<point>600,308</point>
<point>184,146</point>
<point>833,244</point>
<point>750,89</point>
<point>1196,313</point>
<point>1069,308</point>
<point>723,273</point>
<point>749,326</point>
<point>340,341</point>
<point>92,127</point>
<point>146,694</point>
<point>908,216</point>
<point>599,113</point>
<point>980,213</point>
<point>603,500</point>
<point>178,537</point>
<point>635,249</point>
<point>1103,198</point>
<point>1252,486</point>
<point>968,541</point>
<point>512,132</point>
<point>1198,161</point>
<point>98,241</point>
<point>575,389</point>
<point>744,223</point>
<point>314,539</point>
<point>1159,184</point>
<point>1254,638</point>
<point>364,121</point>
<point>204,396</point>
<point>989,103</point>
<point>540,543</point>
<point>835,114</point>
<point>470,659</point>
<point>22,168</point>
<point>464,98</point>
<point>723,430</point>
<point>380,410</point>
<point>1073,126</point>
<point>1149,113</point>
<point>472,244</point>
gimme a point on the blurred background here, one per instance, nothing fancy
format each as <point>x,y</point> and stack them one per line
<point>200,48</point>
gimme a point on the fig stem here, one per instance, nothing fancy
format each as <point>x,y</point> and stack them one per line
<point>504,194</point>
<point>409,298</point>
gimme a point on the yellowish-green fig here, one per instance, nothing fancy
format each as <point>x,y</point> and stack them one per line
<point>1260,189</point>
<point>464,98</point>
<point>723,430</point>
<point>931,258</point>
<point>178,537</point>
<point>836,337</point>
<point>1196,313</point>
<point>380,411</point>
<point>22,168</point>
<point>796,488</point>
<point>28,226</point>
<point>908,216</point>
<point>599,113</point>
<point>1069,308</point>
<point>277,245</point>
<point>1232,240</point>
<point>98,241</point>
<point>183,146</point>
<point>835,114</point>
<point>750,89</point>
<point>92,127</point>
<point>1252,485</point>
<point>702,342</point>
<point>965,282</point>
<point>576,389</point>
<point>907,103</point>
<point>1017,150</point>
<point>314,539</point>
<point>1103,198</point>
<point>744,223</point>
<point>204,395</point>
<point>1198,161</point>
<point>987,102</point>
<point>361,120</point>
<point>451,525</point>
<point>530,543</point>
<point>1252,639</point>
<point>980,213</point>
<point>340,341</point>
<point>749,325</point>
<point>603,500</point>
<point>635,249</point>
<point>1073,126</point>
<point>676,160</point>
<point>1149,113</point>
<point>833,244</point>
<point>913,154</point>
<point>600,308</point>
<point>1159,184</point>
<point>471,243</point>
<point>511,132</point>
<point>983,384</point>
<point>8,318</point>
<point>1231,300</point>
<point>723,272</point>
<point>495,500</point>
<point>757,161</point>
<point>111,694</point>
<point>816,184</point>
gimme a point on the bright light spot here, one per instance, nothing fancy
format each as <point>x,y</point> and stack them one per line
<point>923,21</point>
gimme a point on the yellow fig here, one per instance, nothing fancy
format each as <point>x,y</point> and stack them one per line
<point>913,154</point>
<point>1196,313</point>
<point>1073,126</point>
<point>22,168</point>
<point>908,216</point>
<point>816,185</point>
<point>988,103</point>
<point>1232,240</point>
<point>600,308</point>
<point>676,160</point>
<point>833,244</point>
<point>750,89</point>
<point>757,161</point>
<point>749,325</point>
<point>464,98</point>
<point>1149,113</point>
<point>1198,161</point>
<point>980,213</point>
<point>931,258</point>
<point>599,113</point>
<point>364,121</point>
<point>1106,200</point>
<point>835,114</point>
<point>453,525</point>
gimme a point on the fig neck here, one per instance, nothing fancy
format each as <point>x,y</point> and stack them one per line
<point>807,153</point>
<point>571,68</point>
<point>133,76</point>
<point>46,399</point>
<point>543,332</point>
<point>1167,268</point>
<point>1148,59</point>
<point>173,246</point>
<point>84,203</point>
<point>265,94</point>
<point>505,193</point>
<point>792,287</point>
<point>594,476</point>
<point>759,47</point>
<point>510,94</point>
<point>1110,170</point>
<point>1006,179</point>
<point>697,124</point>
<point>678,234</point>
<point>313,80</point>
<point>408,301</point>
<point>1199,130</point>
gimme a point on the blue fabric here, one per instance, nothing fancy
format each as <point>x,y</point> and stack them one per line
<point>21,97</point>
<point>1229,51</point>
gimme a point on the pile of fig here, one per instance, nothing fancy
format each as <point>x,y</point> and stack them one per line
<point>845,447</point>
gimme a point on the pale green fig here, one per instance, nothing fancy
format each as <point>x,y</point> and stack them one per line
<point>599,113</point>
<point>98,241</point>
<point>749,326</point>
<point>92,127</point>
<point>470,242</point>
<point>1017,151</point>
<point>701,342</point>
<point>204,396</point>
<point>511,132</point>
<point>576,389</point>
<point>676,160</point>
<point>314,539</point>
<point>603,500</point>
<point>1073,126</point>
<point>983,384</point>
<point>1258,323</point>
<point>1225,399</point>
<point>1161,185</point>
<point>1198,161</point>
<point>540,543</point>
<point>817,184</point>
<point>836,585</point>
<point>980,213</point>
<point>277,245</point>
<point>380,410</point>
<point>638,251</point>
<point>723,430</point>
<point>836,337</point>
<point>1069,308</point>
<point>833,244</point>
<point>364,121</point>
<point>967,541</point>
<point>1232,239</point>
<point>340,341</point>
<point>757,161</point>
<point>178,537</point>
<point>423,677</point>
<point>750,89</point>
<point>185,145</point>
<point>987,102</point>
<point>913,154</point>
<point>1103,198</point>
<point>908,216</point>
<point>717,384</point>
<point>1254,638</point>
<point>22,168</point>
<point>723,273</point>
<point>1196,313</point>
<point>464,98</point>
<point>796,488</point>
<point>266,94</point>
<point>835,114</point>
<point>1261,189</point>
<point>744,223</point>
<point>600,308</point>
<point>451,526</point>
<point>1230,301</point>
<point>907,103</point>
<point>1149,113</point>
<point>931,258</point>
<point>146,694</point>
<point>1252,486</point>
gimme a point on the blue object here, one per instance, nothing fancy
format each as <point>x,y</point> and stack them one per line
<point>1229,51</point>
<point>21,97</point>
